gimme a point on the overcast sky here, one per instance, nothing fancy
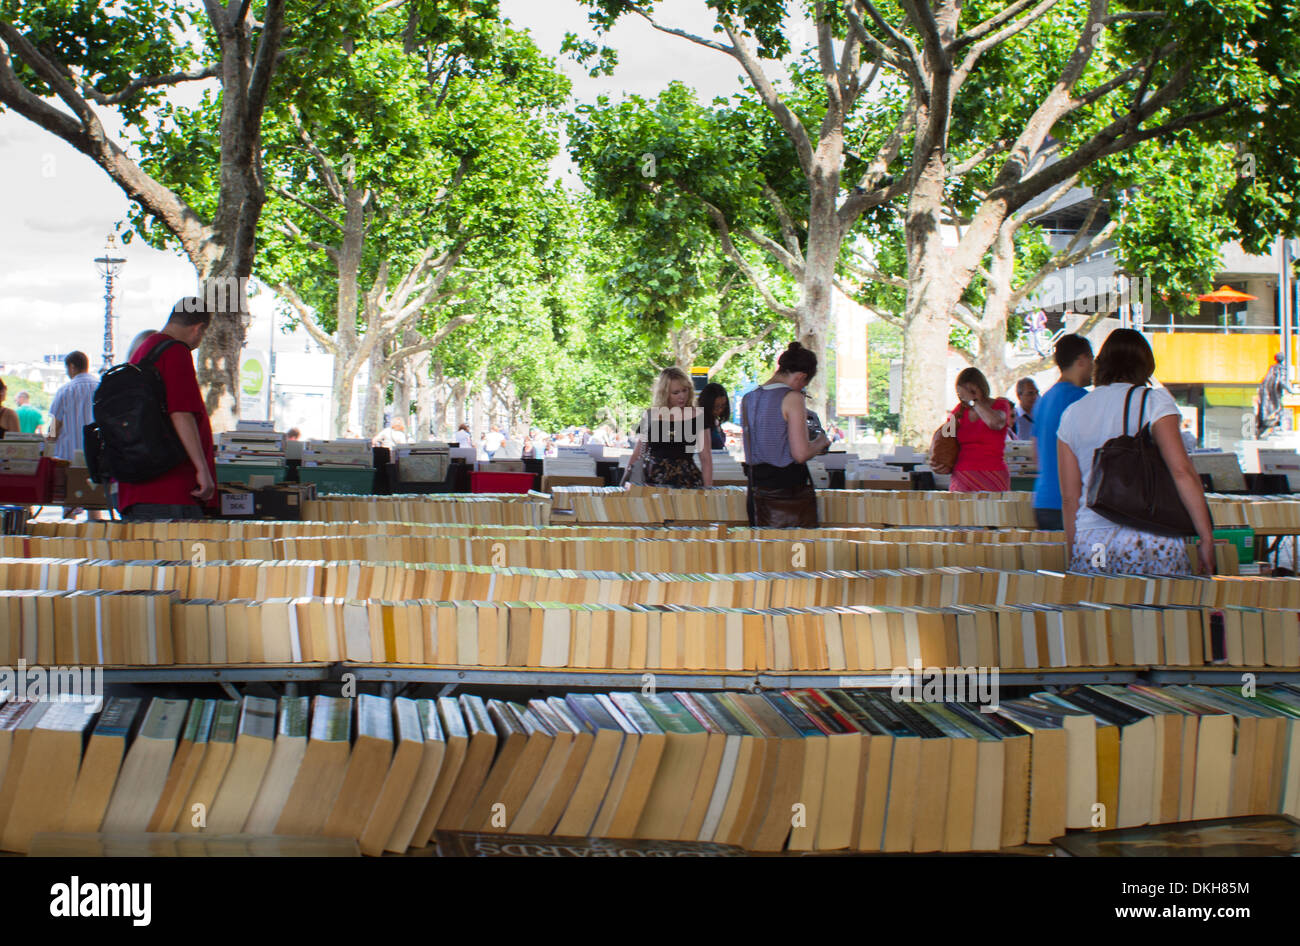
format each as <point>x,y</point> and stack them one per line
<point>57,206</point>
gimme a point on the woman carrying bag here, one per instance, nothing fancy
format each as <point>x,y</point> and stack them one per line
<point>775,422</point>
<point>1129,493</point>
<point>976,434</point>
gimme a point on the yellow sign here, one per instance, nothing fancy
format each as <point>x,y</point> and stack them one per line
<point>1213,357</point>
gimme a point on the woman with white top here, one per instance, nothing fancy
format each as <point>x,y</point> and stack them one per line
<point>1094,542</point>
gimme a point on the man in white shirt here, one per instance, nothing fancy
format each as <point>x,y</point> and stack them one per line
<point>71,410</point>
<point>492,443</point>
<point>1027,394</point>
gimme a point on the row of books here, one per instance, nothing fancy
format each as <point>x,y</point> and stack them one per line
<point>251,444</point>
<point>212,530</point>
<point>1263,513</point>
<point>801,770</point>
<point>880,506</point>
<point>938,587</point>
<point>651,504</point>
<point>653,555</point>
<point>526,509</point>
<point>675,637</point>
<point>88,627</point>
<point>20,454</point>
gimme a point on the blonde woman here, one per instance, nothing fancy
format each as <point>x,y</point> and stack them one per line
<point>671,432</point>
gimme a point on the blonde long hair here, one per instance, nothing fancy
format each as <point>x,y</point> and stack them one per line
<point>664,385</point>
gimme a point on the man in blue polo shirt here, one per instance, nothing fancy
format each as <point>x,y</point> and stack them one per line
<point>1073,356</point>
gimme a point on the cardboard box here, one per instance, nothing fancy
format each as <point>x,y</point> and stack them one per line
<point>80,491</point>
<point>549,482</point>
<point>283,501</point>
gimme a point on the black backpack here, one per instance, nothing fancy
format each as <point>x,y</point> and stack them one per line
<point>132,439</point>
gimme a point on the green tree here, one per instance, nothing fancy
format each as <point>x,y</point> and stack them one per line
<point>59,59</point>
<point>993,106</point>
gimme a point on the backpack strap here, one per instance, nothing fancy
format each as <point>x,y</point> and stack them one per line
<point>156,352</point>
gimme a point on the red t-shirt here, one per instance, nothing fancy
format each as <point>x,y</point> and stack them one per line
<point>979,446</point>
<point>176,365</point>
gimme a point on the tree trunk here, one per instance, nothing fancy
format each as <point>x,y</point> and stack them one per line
<point>219,353</point>
<point>423,400</point>
<point>684,345</point>
<point>814,315</point>
<point>458,402</point>
<point>372,415</point>
<point>992,336</point>
<point>926,313</point>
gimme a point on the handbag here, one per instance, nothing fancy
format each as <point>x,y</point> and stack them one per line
<point>944,447</point>
<point>779,507</point>
<point>1131,484</point>
<point>790,508</point>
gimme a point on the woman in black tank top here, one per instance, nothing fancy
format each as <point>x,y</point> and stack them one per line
<point>670,435</point>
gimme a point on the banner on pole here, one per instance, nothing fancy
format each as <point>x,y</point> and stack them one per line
<point>851,361</point>
<point>254,384</point>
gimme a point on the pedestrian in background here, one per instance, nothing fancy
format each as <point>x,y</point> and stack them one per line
<point>1073,356</point>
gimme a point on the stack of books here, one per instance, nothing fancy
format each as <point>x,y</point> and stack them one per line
<point>20,454</point>
<point>570,461</point>
<point>346,454</point>
<point>424,462</point>
<point>727,469</point>
<point>251,443</point>
<point>1021,457</point>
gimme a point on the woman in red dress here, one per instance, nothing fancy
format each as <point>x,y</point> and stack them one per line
<point>982,427</point>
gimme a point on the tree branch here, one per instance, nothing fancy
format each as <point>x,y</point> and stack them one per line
<point>281,192</point>
<point>724,237</point>
<point>788,233</point>
<point>733,351</point>
<point>786,118</point>
<point>290,229</point>
<point>135,85</point>
<point>700,40</point>
<point>306,317</point>
<point>328,175</point>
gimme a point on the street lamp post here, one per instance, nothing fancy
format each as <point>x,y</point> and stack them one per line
<point>109,266</point>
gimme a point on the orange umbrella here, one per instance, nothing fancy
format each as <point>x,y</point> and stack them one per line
<point>1224,295</point>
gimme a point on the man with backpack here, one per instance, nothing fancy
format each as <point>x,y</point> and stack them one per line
<point>181,491</point>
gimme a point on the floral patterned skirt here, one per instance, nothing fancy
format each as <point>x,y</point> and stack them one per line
<point>1120,549</point>
<point>677,472</point>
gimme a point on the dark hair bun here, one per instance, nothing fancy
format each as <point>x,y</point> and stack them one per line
<point>797,358</point>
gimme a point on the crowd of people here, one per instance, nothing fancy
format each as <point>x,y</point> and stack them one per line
<point>1070,424</point>
<point>1073,428</point>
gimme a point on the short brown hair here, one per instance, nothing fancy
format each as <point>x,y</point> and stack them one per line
<point>976,377</point>
<point>191,310</point>
<point>77,360</point>
<point>1125,358</point>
